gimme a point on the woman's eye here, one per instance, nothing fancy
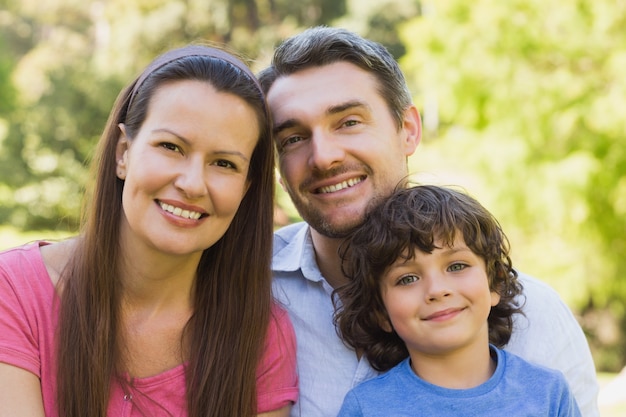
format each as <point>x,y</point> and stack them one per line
<point>408,279</point>
<point>225,164</point>
<point>170,146</point>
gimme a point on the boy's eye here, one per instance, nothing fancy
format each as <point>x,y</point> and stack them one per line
<point>407,279</point>
<point>457,267</point>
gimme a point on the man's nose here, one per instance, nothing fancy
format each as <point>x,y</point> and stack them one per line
<point>326,150</point>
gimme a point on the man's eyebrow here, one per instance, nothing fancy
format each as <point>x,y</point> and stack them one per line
<point>287,124</point>
<point>339,108</point>
<point>331,110</point>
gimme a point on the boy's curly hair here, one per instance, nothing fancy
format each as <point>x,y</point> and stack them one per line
<point>413,218</point>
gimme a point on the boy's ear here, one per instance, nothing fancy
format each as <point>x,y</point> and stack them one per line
<point>386,326</point>
<point>385,323</point>
<point>495,298</point>
<point>498,286</point>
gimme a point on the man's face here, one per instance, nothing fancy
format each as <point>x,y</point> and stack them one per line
<point>339,147</point>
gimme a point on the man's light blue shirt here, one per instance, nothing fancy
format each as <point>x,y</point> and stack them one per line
<point>327,368</point>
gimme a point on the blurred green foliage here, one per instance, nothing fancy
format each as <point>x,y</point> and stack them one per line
<point>526,99</point>
<point>522,102</point>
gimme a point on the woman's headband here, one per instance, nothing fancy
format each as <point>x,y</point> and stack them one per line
<point>191,50</point>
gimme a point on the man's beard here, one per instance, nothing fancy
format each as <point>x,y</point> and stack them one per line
<point>316,219</point>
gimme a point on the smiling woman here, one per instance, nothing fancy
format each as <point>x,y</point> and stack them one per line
<point>183,181</point>
<point>148,306</point>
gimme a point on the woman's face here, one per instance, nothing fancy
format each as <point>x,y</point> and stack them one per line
<point>186,169</point>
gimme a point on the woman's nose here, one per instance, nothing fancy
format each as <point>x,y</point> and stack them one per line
<point>191,179</point>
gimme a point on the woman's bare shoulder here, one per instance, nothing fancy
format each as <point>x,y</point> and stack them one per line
<point>56,255</point>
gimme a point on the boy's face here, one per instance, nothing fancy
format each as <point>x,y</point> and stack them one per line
<point>439,303</point>
<point>339,147</point>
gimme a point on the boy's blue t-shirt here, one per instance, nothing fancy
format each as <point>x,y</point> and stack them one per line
<point>517,388</point>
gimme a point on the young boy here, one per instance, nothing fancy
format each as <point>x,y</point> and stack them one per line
<point>431,300</point>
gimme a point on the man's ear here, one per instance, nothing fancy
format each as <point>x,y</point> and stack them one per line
<point>121,152</point>
<point>412,126</point>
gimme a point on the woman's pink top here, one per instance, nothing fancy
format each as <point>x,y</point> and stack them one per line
<point>28,318</point>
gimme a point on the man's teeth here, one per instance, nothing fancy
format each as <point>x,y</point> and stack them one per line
<point>340,186</point>
<point>177,211</point>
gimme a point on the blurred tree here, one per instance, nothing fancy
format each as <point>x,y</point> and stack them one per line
<point>7,106</point>
<point>61,111</point>
<point>526,100</point>
<point>7,90</point>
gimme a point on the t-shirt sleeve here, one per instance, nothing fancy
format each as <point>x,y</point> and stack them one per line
<point>350,406</point>
<point>277,378</point>
<point>557,343</point>
<point>19,341</point>
<point>567,406</point>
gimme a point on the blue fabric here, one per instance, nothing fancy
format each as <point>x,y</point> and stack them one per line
<point>517,388</point>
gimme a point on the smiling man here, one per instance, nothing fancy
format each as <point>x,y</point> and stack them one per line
<point>344,126</point>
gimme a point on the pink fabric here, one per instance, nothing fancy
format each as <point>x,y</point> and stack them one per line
<point>28,318</point>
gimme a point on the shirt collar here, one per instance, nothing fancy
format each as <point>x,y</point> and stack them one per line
<point>293,251</point>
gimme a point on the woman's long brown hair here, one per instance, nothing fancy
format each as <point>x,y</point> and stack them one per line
<point>232,293</point>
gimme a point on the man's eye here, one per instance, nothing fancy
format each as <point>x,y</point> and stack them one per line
<point>291,140</point>
<point>408,279</point>
<point>350,123</point>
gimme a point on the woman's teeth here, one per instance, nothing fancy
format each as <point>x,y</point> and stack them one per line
<point>177,211</point>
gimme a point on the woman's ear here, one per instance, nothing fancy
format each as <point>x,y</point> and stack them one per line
<point>121,152</point>
<point>282,183</point>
